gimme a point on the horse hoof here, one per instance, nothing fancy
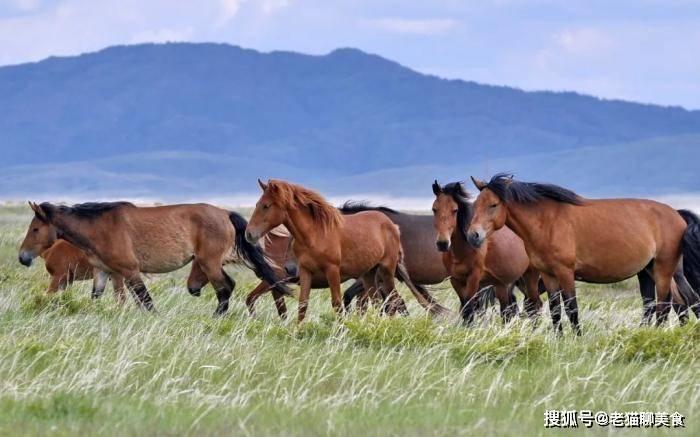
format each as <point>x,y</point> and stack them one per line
<point>196,292</point>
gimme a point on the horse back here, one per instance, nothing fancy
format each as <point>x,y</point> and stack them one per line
<point>624,233</point>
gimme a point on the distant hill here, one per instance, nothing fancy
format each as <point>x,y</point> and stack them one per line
<point>181,120</point>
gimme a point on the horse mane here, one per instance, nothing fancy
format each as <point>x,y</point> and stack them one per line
<point>87,210</point>
<point>509,190</point>
<point>465,209</point>
<point>352,207</point>
<point>289,195</point>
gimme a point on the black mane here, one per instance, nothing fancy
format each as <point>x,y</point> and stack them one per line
<point>84,210</point>
<point>509,190</point>
<point>352,207</point>
<point>465,209</point>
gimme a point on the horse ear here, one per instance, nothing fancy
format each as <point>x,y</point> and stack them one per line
<point>38,212</point>
<point>262,184</point>
<point>437,189</point>
<point>480,185</point>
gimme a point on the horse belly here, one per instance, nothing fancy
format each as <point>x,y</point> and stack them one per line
<point>164,258</point>
<point>617,263</point>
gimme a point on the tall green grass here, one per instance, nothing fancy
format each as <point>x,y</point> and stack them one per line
<point>71,365</point>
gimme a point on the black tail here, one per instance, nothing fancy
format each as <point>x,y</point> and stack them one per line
<point>691,249</point>
<point>421,293</point>
<point>355,289</point>
<point>254,257</point>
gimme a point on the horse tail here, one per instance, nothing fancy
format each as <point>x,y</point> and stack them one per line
<point>421,293</point>
<point>691,249</point>
<point>352,292</point>
<point>253,256</point>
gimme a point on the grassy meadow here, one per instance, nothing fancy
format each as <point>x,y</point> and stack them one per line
<point>71,365</point>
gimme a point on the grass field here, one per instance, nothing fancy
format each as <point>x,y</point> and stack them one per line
<point>75,366</point>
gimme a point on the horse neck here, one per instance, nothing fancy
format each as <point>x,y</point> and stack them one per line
<point>459,244</point>
<point>74,230</point>
<point>301,226</point>
<point>525,220</point>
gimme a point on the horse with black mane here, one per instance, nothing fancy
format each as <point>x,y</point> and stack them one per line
<point>121,238</point>
<point>500,262</point>
<point>570,238</point>
<point>424,263</point>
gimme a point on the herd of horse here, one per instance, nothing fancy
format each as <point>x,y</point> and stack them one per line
<point>538,237</point>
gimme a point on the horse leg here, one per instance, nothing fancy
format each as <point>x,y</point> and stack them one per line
<point>554,298</point>
<point>222,282</point>
<point>99,282</point>
<point>647,288</point>
<point>305,289</point>
<point>118,285</point>
<point>467,293</point>
<point>394,301</point>
<point>568,287</point>
<point>368,288</point>
<point>685,288</point>
<point>662,277</point>
<point>196,280</point>
<point>253,296</point>
<point>138,289</point>
<point>532,304</point>
<point>508,305</point>
<point>58,282</point>
<point>333,277</point>
<point>356,289</point>
<point>280,304</point>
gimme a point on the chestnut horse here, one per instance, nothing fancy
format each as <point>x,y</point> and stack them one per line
<point>500,261</point>
<point>330,247</point>
<point>277,246</point>
<point>569,237</point>
<point>64,262</point>
<point>121,238</point>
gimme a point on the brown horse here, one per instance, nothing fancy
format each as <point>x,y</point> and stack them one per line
<point>328,246</point>
<point>500,261</point>
<point>64,262</point>
<point>277,246</point>
<point>424,262</point>
<point>122,238</point>
<point>569,237</point>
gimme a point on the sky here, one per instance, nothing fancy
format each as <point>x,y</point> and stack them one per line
<point>641,50</point>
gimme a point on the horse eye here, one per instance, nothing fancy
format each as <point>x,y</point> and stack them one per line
<point>494,205</point>
<point>266,206</point>
<point>454,211</point>
<point>35,230</point>
<point>434,211</point>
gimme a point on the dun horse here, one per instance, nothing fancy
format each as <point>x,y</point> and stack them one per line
<point>569,237</point>
<point>127,240</point>
<point>64,262</point>
<point>330,247</point>
<point>500,261</point>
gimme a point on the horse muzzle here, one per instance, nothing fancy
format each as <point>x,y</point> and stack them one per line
<point>252,237</point>
<point>25,258</point>
<point>476,238</point>
<point>291,269</point>
<point>442,245</point>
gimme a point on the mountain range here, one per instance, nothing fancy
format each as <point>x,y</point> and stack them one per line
<point>182,121</point>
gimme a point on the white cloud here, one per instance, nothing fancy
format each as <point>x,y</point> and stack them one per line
<point>436,26</point>
<point>21,5</point>
<point>228,11</point>
<point>585,41</point>
<point>270,6</point>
